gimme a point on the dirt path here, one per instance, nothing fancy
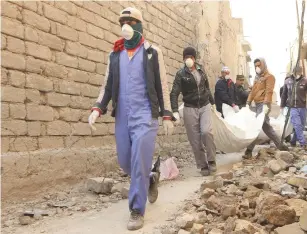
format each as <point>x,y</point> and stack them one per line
<point>113,219</point>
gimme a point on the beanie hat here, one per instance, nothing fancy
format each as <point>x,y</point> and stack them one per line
<point>131,12</point>
<point>189,51</point>
<point>240,77</point>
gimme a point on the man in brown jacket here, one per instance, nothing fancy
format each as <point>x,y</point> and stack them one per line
<point>261,94</point>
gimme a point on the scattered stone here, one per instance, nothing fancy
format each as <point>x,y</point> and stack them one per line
<point>228,211</point>
<point>197,203</point>
<point>181,231</point>
<point>213,203</point>
<point>285,156</point>
<point>216,231</point>
<point>252,192</point>
<point>293,228</point>
<point>298,181</point>
<point>185,221</point>
<point>303,220</point>
<point>230,225</point>
<point>292,169</point>
<point>281,215</point>
<point>244,204</point>
<point>36,213</point>
<point>125,191</point>
<point>232,189</point>
<point>100,185</point>
<point>62,204</point>
<point>287,190</point>
<point>206,193</point>
<point>105,199</point>
<point>201,218</point>
<point>274,209</point>
<point>247,227</point>
<point>25,220</point>
<point>214,184</point>
<point>225,175</point>
<point>298,205</point>
<point>266,171</point>
<point>211,212</point>
<point>277,165</point>
<point>197,229</point>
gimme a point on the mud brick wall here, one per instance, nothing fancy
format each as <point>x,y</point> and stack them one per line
<point>54,57</point>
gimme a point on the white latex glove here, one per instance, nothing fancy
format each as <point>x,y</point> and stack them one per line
<point>236,108</point>
<point>247,106</point>
<point>177,117</point>
<point>266,109</point>
<point>168,127</point>
<point>92,118</point>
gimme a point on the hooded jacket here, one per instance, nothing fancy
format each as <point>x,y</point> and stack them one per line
<point>263,87</point>
<point>224,93</point>
<point>300,91</point>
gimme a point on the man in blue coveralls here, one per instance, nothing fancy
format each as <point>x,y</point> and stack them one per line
<point>137,84</point>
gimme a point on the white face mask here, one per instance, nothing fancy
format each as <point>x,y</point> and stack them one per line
<point>127,31</point>
<point>298,76</point>
<point>189,62</point>
<point>258,70</point>
<point>227,77</point>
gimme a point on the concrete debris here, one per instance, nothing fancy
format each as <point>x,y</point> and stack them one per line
<point>277,165</point>
<point>214,184</point>
<point>287,190</point>
<point>181,231</point>
<point>298,205</point>
<point>197,229</point>
<point>100,185</point>
<point>293,228</point>
<point>285,156</point>
<point>206,193</point>
<point>303,220</point>
<point>216,231</point>
<point>25,220</point>
<point>225,175</point>
<point>185,221</point>
<point>228,211</point>
<point>298,181</point>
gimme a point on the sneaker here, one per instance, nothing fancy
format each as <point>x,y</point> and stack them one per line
<point>205,171</point>
<point>153,187</point>
<point>248,154</point>
<point>212,166</point>
<point>136,221</point>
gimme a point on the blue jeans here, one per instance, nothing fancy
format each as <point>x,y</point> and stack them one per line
<point>298,120</point>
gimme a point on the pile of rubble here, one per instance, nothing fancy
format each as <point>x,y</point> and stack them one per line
<point>266,195</point>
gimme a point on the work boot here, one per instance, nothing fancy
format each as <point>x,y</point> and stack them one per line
<point>136,221</point>
<point>212,166</point>
<point>205,171</point>
<point>283,147</point>
<point>153,187</point>
<point>248,154</point>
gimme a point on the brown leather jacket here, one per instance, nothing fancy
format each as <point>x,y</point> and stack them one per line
<point>263,88</point>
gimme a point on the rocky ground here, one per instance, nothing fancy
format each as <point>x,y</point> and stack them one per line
<point>267,194</point>
<point>93,195</point>
<point>264,195</point>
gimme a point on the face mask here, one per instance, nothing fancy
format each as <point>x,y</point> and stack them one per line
<point>258,70</point>
<point>298,76</point>
<point>127,31</point>
<point>189,62</point>
<point>227,77</point>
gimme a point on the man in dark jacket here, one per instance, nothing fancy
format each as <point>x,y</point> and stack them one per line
<point>287,138</point>
<point>136,82</point>
<point>225,91</point>
<point>298,105</point>
<point>241,94</point>
<point>193,83</point>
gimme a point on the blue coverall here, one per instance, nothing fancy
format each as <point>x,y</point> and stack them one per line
<point>135,129</point>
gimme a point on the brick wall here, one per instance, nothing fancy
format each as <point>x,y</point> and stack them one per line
<point>54,58</point>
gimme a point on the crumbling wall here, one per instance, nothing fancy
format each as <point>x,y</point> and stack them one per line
<point>54,56</point>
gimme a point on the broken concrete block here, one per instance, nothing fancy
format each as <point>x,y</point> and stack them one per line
<point>303,220</point>
<point>185,221</point>
<point>214,184</point>
<point>100,185</point>
<point>285,156</point>
<point>298,205</point>
<point>298,181</point>
<point>293,228</point>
